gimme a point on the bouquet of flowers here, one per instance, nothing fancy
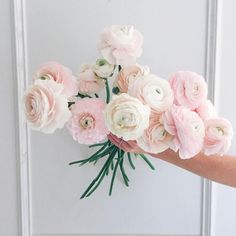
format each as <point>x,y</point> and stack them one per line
<point>155,113</point>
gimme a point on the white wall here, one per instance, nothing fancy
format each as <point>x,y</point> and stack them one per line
<point>224,198</point>
<point>8,196</point>
<point>168,201</point>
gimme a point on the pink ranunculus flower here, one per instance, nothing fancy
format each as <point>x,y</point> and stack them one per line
<point>155,138</point>
<point>189,88</point>
<point>60,74</point>
<point>88,81</point>
<point>121,45</point>
<point>45,106</point>
<point>87,125</point>
<point>218,136</point>
<point>152,91</point>
<point>206,110</point>
<point>187,128</point>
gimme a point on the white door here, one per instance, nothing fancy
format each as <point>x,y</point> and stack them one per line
<point>39,190</point>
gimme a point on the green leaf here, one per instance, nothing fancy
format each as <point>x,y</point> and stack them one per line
<point>80,95</point>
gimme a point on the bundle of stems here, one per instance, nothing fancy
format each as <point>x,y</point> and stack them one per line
<point>114,161</point>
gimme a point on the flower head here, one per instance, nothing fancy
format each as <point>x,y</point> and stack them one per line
<point>103,69</point>
<point>60,74</point>
<point>127,74</point>
<point>190,89</point>
<point>187,128</point>
<point>88,81</point>
<point>87,125</point>
<point>121,45</point>
<point>45,106</point>
<point>218,137</point>
<point>155,138</point>
<point>127,117</point>
<point>153,91</point>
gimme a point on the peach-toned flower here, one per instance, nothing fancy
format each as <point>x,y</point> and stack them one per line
<point>60,74</point>
<point>88,82</point>
<point>206,110</point>
<point>127,74</point>
<point>218,136</point>
<point>153,91</point>
<point>187,128</point>
<point>190,89</point>
<point>155,138</point>
<point>121,45</point>
<point>87,125</point>
<point>127,117</point>
<point>45,106</point>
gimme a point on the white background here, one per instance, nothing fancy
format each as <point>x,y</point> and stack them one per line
<point>167,201</point>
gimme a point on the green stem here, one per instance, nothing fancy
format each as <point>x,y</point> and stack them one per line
<point>125,177</point>
<point>95,154</point>
<point>113,176</point>
<point>97,144</point>
<point>107,91</point>
<point>130,161</point>
<point>101,174</point>
<point>147,161</point>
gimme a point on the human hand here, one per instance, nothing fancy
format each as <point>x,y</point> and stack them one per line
<point>127,146</point>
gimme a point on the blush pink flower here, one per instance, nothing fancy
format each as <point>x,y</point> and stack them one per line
<point>218,136</point>
<point>88,82</point>
<point>187,128</point>
<point>206,110</point>
<point>155,138</point>
<point>87,125</point>
<point>121,45</point>
<point>190,89</point>
<point>60,74</point>
<point>45,106</point>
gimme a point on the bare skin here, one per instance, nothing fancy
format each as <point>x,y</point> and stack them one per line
<point>216,168</point>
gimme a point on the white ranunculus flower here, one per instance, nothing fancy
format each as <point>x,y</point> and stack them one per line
<point>45,105</point>
<point>127,117</point>
<point>103,69</point>
<point>153,91</point>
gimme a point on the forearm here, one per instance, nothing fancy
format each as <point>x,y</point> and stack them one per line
<point>216,168</point>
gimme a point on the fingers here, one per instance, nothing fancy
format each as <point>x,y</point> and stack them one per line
<point>127,146</point>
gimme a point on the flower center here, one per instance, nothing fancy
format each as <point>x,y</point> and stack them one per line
<point>219,131</point>
<point>195,89</point>
<point>87,121</point>
<point>46,77</point>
